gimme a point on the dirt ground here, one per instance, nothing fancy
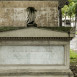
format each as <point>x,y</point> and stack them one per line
<point>73,68</point>
<point>73,46</point>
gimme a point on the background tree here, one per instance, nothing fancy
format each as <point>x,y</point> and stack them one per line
<point>64,12</point>
<point>75,10</point>
<point>70,10</point>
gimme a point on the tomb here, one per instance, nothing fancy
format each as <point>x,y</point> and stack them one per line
<point>35,52</point>
<point>41,50</point>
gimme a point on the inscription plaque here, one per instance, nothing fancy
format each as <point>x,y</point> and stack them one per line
<point>31,54</point>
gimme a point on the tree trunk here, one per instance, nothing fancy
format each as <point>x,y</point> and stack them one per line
<point>76,16</point>
<point>60,17</point>
<point>65,19</point>
<point>76,21</point>
<point>73,22</point>
<point>70,20</point>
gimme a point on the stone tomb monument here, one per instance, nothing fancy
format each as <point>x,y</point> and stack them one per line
<point>41,51</point>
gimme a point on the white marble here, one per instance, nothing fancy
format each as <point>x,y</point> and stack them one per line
<point>31,54</point>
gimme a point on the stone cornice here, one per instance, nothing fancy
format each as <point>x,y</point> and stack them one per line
<point>35,38</point>
<point>61,2</point>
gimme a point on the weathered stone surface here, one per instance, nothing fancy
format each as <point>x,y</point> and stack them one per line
<point>36,73</point>
<point>32,55</point>
<point>34,32</point>
<point>14,13</point>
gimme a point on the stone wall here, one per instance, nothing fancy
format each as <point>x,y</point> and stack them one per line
<point>14,13</point>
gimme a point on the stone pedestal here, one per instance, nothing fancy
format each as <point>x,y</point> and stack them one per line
<point>35,52</point>
<point>39,73</point>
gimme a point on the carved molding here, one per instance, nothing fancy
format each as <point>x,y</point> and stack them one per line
<point>35,38</point>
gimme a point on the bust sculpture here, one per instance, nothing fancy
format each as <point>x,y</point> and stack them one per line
<point>31,11</point>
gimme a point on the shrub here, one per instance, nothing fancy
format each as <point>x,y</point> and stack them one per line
<point>73,55</point>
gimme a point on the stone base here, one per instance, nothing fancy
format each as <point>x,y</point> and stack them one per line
<point>34,73</point>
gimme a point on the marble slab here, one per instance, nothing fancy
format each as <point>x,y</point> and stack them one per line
<point>31,54</point>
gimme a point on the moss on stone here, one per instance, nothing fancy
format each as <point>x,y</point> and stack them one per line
<point>3,29</point>
<point>61,29</point>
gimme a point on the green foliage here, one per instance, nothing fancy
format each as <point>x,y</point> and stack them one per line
<point>70,9</point>
<point>73,55</point>
<point>65,10</point>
